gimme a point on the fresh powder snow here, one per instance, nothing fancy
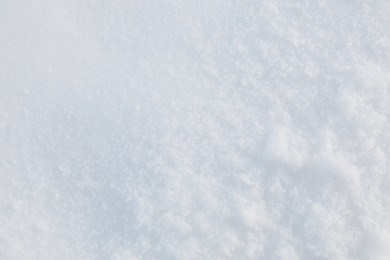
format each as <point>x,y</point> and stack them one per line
<point>197,129</point>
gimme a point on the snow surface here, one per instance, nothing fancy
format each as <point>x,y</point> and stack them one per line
<point>203,129</point>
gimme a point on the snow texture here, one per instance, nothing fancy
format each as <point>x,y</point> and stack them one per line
<point>198,129</point>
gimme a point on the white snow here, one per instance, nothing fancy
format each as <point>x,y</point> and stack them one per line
<point>199,129</point>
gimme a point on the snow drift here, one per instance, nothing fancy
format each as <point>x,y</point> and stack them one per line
<point>194,129</point>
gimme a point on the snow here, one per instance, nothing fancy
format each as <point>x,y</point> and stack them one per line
<point>203,129</point>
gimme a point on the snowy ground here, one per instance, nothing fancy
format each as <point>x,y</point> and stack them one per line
<point>203,129</point>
